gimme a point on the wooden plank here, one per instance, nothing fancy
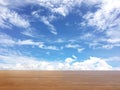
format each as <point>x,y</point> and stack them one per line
<point>59,80</point>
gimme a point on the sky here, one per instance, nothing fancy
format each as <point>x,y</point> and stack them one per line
<point>60,35</point>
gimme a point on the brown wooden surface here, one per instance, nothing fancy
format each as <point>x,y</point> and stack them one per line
<point>59,80</point>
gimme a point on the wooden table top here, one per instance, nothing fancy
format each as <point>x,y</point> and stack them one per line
<point>59,80</point>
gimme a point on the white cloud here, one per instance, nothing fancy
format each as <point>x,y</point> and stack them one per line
<point>9,18</point>
<point>69,60</point>
<point>15,62</point>
<point>54,6</point>
<point>57,6</point>
<point>51,47</point>
<point>87,35</point>
<point>7,41</point>
<point>38,44</point>
<point>113,59</point>
<point>80,49</point>
<point>28,42</point>
<point>115,40</point>
<point>60,7</point>
<point>92,2</point>
<point>74,57</point>
<point>106,20</point>
<point>110,46</point>
<point>72,46</point>
<point>61,10</point>
<point>9,52</point>
<point>2,2</point>
<point>59,40</point>
<point>75,46</point>
<point>30,32</point>
<point>93,63</point>
<point>113,36</point>
<point>45,20</point>
<point>101,17</point>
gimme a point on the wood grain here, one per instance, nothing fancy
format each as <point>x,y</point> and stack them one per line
<point>59,80</point>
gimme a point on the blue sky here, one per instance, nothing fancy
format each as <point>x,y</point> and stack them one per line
<point>60,35</point>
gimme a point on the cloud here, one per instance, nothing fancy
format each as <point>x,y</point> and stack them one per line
<point>9,17</point>
<point>54,8</point>
<point>59,40</point>
<point>101,19</point>
<point>113,36</point>
<point>72,46</point>
<point>50,47</point>
<point>69,60</point>
<point>75,46</point>
<point>92,2</point>
<point>46,22</point>
<point>8,41</point>
<point>110,46</point>
<point>12,60</point>
<point>28,42</point>
<point>93,63</point>
<point>2,2</point>
<point>60,10</point>
<point>106,20</point>
<point>113,59</point>
<point>60,7</point>
<point>87,36</point>
<point>74,57</point>
<point>31,32</point>
<point>38,44</point>
<point>18,62</point>
<point>80,49</point>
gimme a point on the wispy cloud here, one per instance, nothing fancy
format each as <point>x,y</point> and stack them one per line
<point>51,47</point>
<point>9,18</point>
<point>72,46</point>
<point>106,20</point>
<point>45,20</point>
<point>55,7</point>
<point>60,7</point>
<point>59,40</point>
<point>75,46</point>
<point>100,18</point>
<point>7,41</point>
<point>80,49</point>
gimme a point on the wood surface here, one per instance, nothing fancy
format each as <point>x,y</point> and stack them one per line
<point>59,80</point>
